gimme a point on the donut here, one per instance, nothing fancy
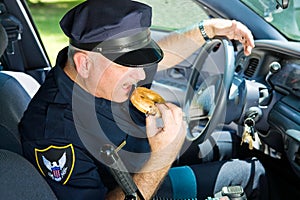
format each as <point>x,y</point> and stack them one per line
<point>145,99</point>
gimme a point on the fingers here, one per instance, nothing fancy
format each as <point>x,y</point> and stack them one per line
<point>243,35</point>
<point>151,126</point>
<point>171,115</point>
<point>177,113</point>
<point>170,112</point>
<point>224,198</point>
<point>235,30</point>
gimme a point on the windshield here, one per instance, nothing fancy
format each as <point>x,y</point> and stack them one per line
<point>175,14</point>
<point>285,20</point>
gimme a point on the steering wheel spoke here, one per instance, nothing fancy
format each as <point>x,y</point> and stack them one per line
<point>199,117</point>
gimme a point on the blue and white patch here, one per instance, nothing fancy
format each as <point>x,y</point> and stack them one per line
<point>56,162</point>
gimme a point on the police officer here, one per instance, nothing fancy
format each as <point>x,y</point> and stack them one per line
<point>83,106</point>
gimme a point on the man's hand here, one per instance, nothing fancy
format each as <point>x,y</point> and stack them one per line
<point>232,30</point>
<point>180,45</point>
<point>166,141</point>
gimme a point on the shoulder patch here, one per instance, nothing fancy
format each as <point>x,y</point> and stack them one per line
<point>56,162</point>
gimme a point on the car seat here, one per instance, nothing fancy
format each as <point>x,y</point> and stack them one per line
<point>19,178</point>
<point>16,90</point>
<point>13,102</point>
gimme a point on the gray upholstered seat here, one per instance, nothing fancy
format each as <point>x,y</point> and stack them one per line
<point>19,178</point>
<point>13,102</point>
<point>16,90</point>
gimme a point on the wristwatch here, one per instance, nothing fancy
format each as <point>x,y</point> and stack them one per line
<point>203,33</point>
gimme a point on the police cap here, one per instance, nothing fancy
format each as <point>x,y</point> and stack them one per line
<point>118,29</point>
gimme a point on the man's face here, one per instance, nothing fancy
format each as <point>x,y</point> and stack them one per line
<point>112,81</point>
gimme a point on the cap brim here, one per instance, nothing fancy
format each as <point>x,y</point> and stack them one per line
<point>143,57</point>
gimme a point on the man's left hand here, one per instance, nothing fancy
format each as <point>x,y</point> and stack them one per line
<point>232,30</point>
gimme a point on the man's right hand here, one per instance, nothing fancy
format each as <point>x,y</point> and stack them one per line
<point>165,145</point>
<point>166,142</point>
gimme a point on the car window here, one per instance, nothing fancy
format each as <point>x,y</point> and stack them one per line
<point>285,20</point>
<point>174,14</point>
<point>46,15</point>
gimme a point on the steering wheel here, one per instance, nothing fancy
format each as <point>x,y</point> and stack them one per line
<point>208,88</point>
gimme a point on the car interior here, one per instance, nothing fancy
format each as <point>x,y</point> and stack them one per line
<point>19,88</point>
<point>264,85</point>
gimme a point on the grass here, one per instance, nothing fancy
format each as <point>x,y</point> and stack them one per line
<point>46,15</point>
<point>167,14</point>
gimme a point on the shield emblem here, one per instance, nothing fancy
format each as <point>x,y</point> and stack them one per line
<point>56,162</point>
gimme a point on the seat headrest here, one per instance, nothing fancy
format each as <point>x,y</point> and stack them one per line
<point>3,40</point>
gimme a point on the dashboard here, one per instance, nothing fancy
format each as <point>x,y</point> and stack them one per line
<point>274,67</point>
<point>275,64</point>
<point>288,78</point>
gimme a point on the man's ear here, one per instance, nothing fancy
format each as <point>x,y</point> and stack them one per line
<point>82,64</point>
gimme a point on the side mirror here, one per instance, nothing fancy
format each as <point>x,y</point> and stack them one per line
<point>282,3</point>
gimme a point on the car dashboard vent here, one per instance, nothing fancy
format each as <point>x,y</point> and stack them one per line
<point>253,63</point>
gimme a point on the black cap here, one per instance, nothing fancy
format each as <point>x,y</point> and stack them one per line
<point>118,29</point>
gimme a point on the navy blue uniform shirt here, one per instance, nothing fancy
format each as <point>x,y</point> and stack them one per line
<point>64,128</point>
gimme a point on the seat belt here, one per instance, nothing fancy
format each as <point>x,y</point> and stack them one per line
<point>14,30</point>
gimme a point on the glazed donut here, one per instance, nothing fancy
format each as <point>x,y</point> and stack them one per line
<point>145,99</point>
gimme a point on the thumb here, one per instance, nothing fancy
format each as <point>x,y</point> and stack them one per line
<point>151,128</point>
